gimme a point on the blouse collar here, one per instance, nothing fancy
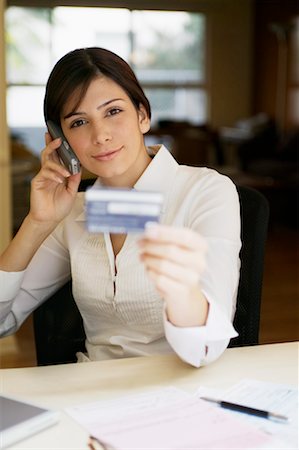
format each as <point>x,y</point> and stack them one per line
<point>158,176</point>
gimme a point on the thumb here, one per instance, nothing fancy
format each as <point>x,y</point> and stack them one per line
<point>73,182</point>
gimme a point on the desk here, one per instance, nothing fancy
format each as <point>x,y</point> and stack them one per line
<point>62,386</point>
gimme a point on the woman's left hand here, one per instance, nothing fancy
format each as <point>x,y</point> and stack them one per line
<point>175,260</point>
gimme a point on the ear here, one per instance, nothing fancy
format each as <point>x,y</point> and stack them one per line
<point>144,120</point>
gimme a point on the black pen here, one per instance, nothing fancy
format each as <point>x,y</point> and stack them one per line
<point>247,410</point>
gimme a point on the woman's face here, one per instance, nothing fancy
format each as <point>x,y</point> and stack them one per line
<point>106,132</point>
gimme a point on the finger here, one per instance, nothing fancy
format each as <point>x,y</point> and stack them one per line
<point>180,255</point>
<point>48,138</point>
<point>56,167</point>
<point>46,175</point>
<point>73,182</point>
<point>166,268</point>
<point>49,151</point>
<point>51,171</point>
<point>184,237</point>
<point>54,155</point>
<point>168,287</point>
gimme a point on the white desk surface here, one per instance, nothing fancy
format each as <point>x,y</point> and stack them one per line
<point>62,386</point>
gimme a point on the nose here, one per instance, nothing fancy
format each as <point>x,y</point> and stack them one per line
<point>101,134</point>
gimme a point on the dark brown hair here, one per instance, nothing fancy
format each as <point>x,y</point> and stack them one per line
<point>73,73</point>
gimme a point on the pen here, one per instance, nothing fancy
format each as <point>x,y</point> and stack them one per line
<point>247,409</point>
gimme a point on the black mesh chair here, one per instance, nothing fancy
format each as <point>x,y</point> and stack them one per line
<point>58,326</point>
<point>254,229</point>
<point>58,329</point>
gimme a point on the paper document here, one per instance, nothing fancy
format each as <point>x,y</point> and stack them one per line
<point>273,397</point>
<point>165,419</point>
<point>91,414</point>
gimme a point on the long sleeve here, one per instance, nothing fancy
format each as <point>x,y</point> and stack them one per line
<point>22,292</point>
<point>215,213</point>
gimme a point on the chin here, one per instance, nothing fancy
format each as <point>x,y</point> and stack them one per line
<point>109,175</point>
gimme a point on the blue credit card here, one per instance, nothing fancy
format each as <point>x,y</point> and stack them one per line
<point>122,210</point>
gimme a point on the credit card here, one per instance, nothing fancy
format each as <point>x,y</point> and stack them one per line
<point>116,210</point>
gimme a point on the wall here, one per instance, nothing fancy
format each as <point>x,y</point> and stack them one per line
<point>5,187</point>
<point>230,48</point>
<point>274,62</point>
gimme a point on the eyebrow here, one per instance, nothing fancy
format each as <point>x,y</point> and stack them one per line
<point>103,105</point>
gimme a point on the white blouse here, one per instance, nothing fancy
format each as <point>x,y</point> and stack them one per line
<point>122,312</point>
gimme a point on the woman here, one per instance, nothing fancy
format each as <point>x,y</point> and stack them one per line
<point>171,289</point>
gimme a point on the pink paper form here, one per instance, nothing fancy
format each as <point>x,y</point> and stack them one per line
<point>188,424</point>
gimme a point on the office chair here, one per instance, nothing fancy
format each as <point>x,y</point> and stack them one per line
<point>58,325</point>
<point>254,228</point>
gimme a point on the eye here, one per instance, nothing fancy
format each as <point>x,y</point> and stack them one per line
<point>113,111</point>
<point>78,123</point>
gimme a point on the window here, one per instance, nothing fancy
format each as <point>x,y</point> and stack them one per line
<point>165,49</point>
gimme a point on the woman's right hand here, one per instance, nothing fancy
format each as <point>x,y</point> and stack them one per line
<point>53,189</point>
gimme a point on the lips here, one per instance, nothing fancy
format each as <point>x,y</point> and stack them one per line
<point>107,155</point>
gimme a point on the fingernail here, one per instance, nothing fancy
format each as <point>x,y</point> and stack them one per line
<point>151,229</point>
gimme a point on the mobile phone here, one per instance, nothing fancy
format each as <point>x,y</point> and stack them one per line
<point>65,152</point>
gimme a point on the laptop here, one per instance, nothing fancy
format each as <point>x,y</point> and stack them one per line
<point>19,420</point>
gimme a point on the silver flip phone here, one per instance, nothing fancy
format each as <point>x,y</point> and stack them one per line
<point>65,152</point>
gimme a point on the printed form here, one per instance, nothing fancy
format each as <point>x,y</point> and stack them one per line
<point>166,419</point>
<point>272,397</point>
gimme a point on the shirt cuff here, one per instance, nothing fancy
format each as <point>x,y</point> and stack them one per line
<point>187,342</point>
<point>218,326</point>
<point>10,283</point>
<point>195,345</point>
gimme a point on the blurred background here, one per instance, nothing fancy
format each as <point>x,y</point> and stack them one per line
<point>222,77</point>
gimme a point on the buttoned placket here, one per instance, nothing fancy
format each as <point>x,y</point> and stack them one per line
<point>112,264</point>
